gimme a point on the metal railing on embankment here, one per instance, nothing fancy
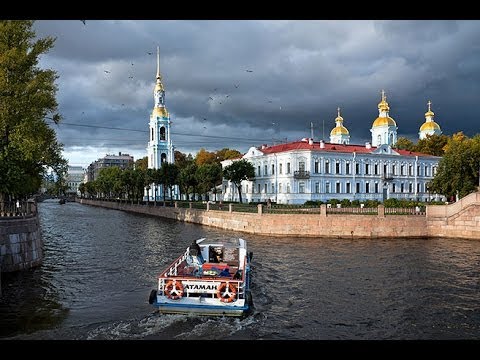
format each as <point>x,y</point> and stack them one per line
<point>20,209</point>
<point>276,208</point>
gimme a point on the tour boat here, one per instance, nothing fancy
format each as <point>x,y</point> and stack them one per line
<point>212,277</point>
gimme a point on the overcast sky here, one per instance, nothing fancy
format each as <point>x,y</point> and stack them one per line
<point>299,72</point>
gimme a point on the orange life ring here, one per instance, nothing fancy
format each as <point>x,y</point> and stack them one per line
<point>226,292</point>
<point>174,289</point>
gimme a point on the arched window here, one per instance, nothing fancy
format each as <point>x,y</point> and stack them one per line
<point>163,157</point>
<point>152,134</point>
<point>162,133</point>
<point>379,139</point>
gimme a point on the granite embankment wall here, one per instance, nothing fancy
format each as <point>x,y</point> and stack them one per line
<point>458,220</point>
<point>21,245</point>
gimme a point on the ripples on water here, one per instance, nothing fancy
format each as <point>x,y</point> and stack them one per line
<point>101,264</point>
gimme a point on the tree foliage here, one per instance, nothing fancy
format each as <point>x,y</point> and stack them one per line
<point>458,170</point>
<point>432,145</point>
<point>226,154</point>
<point>142,164</point>
<point>205,157</point>
<point>208,177</point>
<point>404,144</point>
<point>238,171</point>
<point>28,145</point>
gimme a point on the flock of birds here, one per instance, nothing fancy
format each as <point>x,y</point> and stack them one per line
<point>210,98</point>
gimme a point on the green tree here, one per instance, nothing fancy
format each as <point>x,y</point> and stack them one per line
<point>181,160</point>
<point>187,179</point>
<point>109,181</point>
<point>404,144</point>
<point>83,189</point>
<point>237,171</point>
<point>458,170</point>
<point>28,145</point>
<point>142,164</point>
<point>432,145</point>
<point>208,176</point>
<point>169,177</point>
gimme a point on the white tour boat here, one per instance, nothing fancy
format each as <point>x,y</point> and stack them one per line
<point>212,277</point>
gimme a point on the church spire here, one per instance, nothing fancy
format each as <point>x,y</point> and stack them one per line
<point>158,62</point>
<point>159,109</point>
<point>158,85</point>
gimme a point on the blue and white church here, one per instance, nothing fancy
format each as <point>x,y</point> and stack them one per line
<point>160,149</point>
<point>299,171</point>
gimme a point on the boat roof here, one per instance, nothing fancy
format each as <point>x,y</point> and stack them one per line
<point>226,242</point>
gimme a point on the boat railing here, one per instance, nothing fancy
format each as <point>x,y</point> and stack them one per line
<point>173,268</point>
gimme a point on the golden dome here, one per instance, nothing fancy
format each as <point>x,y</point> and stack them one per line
<point>160,112</point>
<point>339,130</point>
<point>429,113</point>
<point>429,125</point>
<point>384,121</point>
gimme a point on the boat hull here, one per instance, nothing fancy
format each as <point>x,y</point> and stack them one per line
<point>208,310</point>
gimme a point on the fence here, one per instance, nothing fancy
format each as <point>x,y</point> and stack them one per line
<point>24,208</point>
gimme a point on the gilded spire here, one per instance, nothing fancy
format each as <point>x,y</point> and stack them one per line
<point>339,118</point>
<point>158,62</point>
<point>158,85</point>
<point>383,105</point>
<point>429,112</point>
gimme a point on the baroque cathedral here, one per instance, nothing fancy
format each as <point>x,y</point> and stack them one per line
<point>304,170</point>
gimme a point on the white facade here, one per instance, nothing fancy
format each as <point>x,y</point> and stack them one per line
<point>299,171</point>
<point>75,176</point>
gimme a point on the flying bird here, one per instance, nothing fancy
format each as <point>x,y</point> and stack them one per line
<point>210,98</point>
<point>249,70</point>
<point>270,101</point>
<point>215,89</point>
<point>130,77</point>
<point>106,71</point>
<point>84,22</point>
<point>236,86</point>
<point>149,53</point>
<point>132,64</point>
<point>227,96</point>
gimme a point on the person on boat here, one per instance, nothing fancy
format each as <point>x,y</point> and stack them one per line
<point>216,255</point>
<point>195,255</point>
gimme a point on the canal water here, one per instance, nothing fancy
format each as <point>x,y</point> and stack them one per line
<point>101,264</point>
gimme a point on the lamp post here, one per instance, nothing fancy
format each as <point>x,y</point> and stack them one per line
<point>148,194</point>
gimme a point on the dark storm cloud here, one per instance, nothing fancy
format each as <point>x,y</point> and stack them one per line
<point>299,72</point>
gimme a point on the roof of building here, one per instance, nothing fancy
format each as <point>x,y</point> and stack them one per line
<point>329,147</point>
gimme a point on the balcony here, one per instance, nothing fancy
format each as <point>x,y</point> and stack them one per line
<point>387,177</point>
<point>301,174</point>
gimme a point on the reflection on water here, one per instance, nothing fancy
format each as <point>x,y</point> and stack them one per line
<point>101,264</point>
